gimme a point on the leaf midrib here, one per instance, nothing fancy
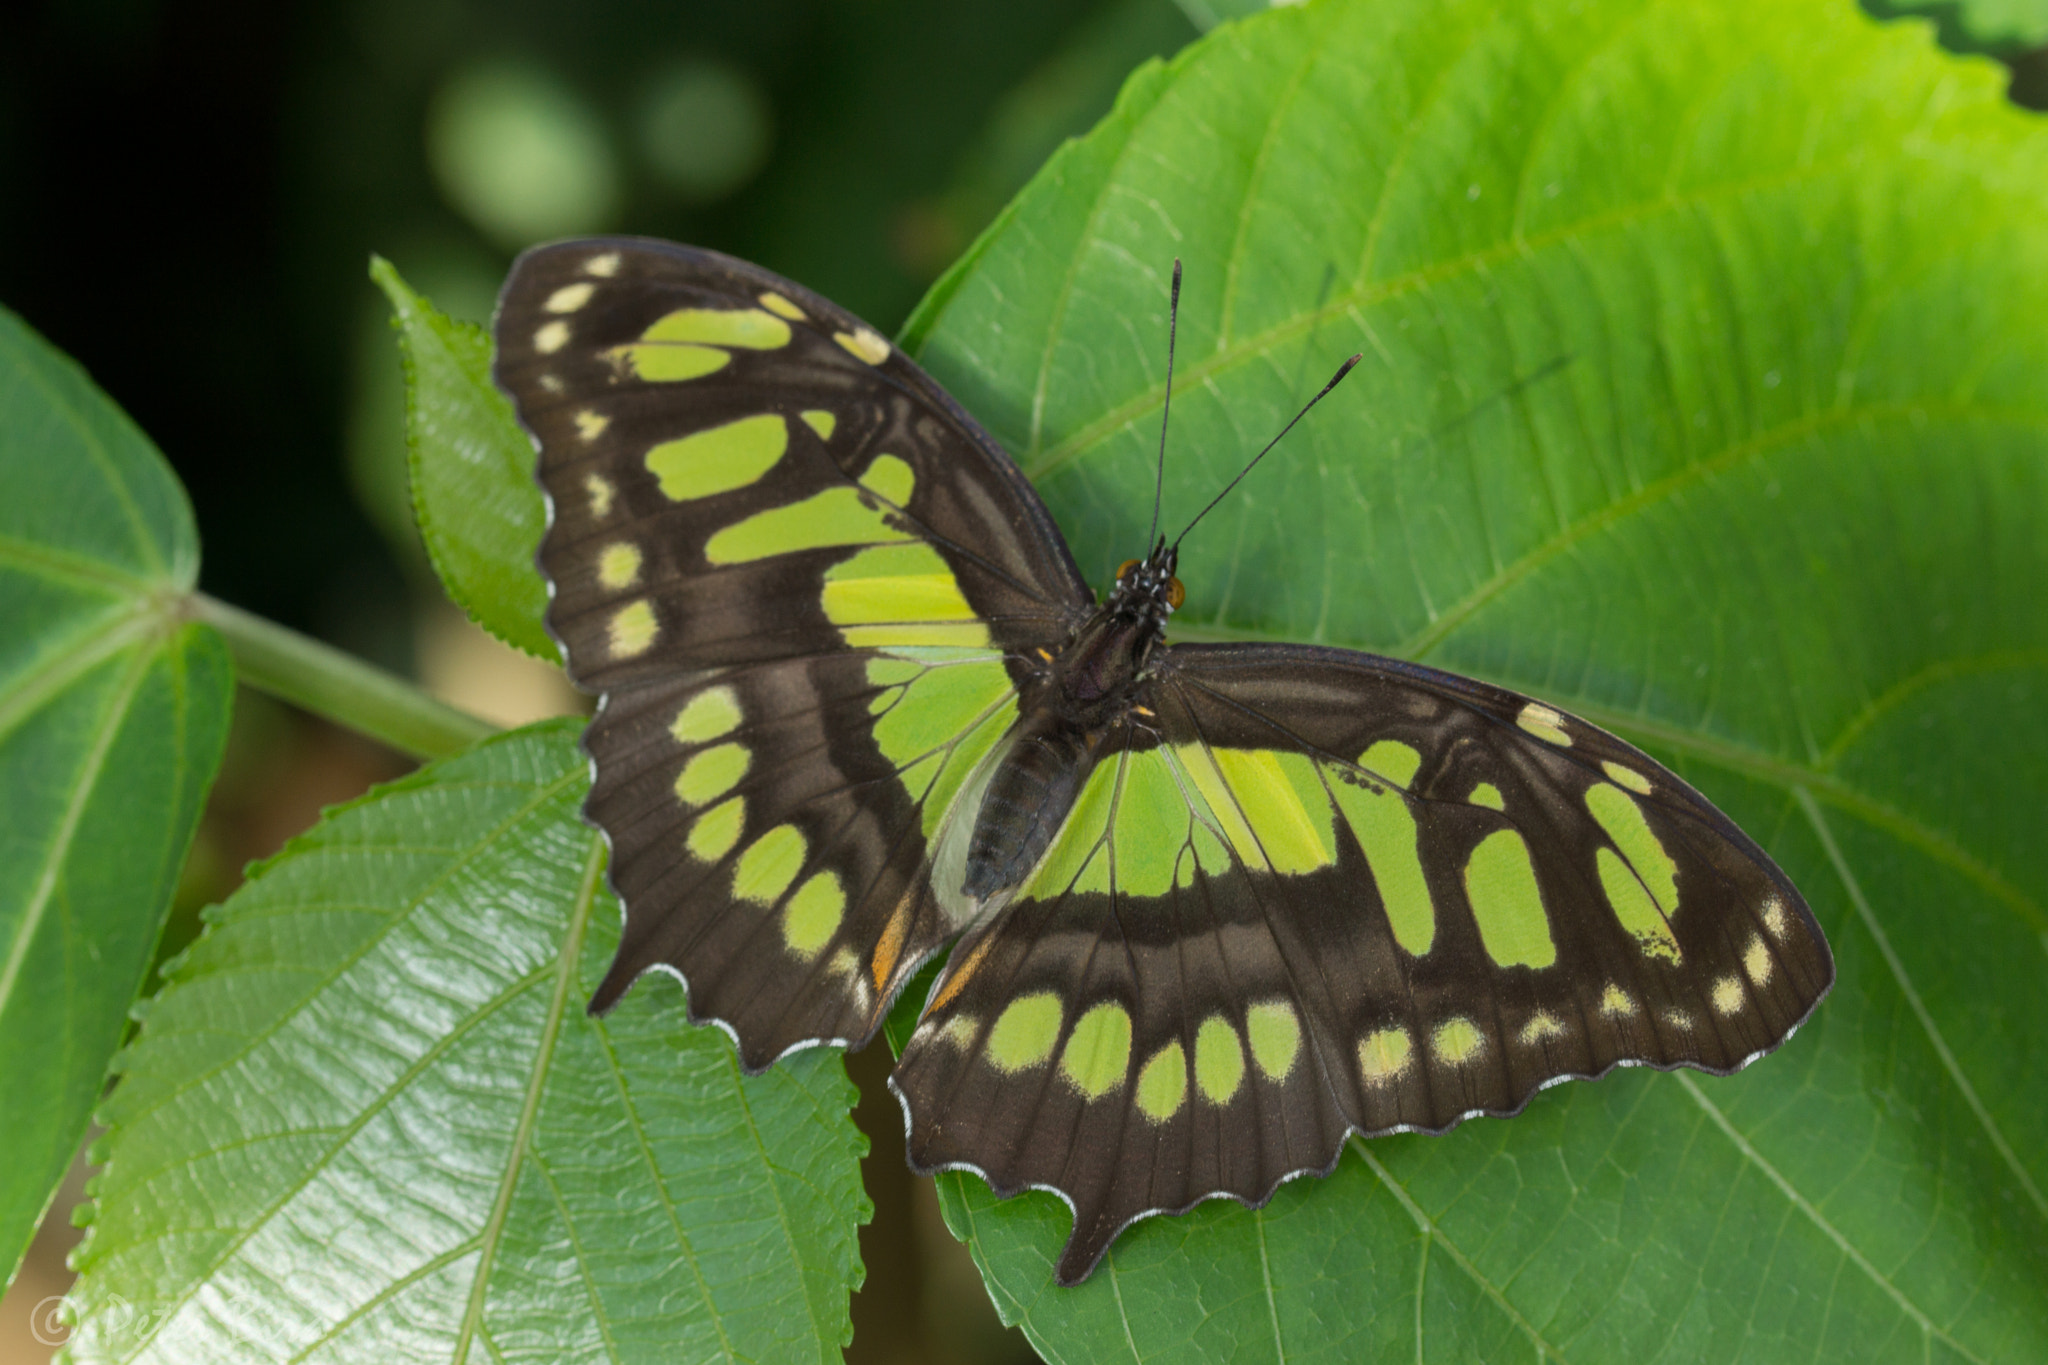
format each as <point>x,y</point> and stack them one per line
<point>84,784</point>
<point>569,952</point>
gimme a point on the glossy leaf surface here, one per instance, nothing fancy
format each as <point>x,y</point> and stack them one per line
<point>113,710</point>
<point>369,1118</point>
<point>1683,408</point>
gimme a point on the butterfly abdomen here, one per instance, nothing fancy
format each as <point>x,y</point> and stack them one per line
<point>1028,798</point>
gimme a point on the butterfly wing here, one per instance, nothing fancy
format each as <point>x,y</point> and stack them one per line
<point>797,572</point>
<point>1321,892</point>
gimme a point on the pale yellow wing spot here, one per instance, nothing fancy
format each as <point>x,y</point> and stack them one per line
<point>1457,1041</point>
<point>1678,1019</point>
<point>550,337</point>
<point>1728,995</point>
<point>863,344</point>
<point>1617,1003</point>
<point>590,425</point>
<point>618,565</point>
<point>1756,960</point>
<point>1775,918</point>
<point>604,265</point>
<point>777,304</point>
<point>569,298</point>
<point>1383,1056</point>
<point>1541,1025</point>
<point>633,630</point>
<point>598,489</point>
<point>1545,723</point>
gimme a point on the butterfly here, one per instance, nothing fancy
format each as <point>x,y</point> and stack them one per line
<point>1212,908</point>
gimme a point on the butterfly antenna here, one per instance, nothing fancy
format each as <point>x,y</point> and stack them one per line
<point>1335,379</point>
<point>1172,329</point>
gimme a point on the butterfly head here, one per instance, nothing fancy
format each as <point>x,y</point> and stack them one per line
<point>1146,588</point>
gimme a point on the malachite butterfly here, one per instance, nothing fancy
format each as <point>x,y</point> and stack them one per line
<point>1212,907</point>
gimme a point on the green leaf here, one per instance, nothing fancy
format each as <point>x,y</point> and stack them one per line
<point>113,711</point>
<point>473,495</point>
<point>2005,26</point>
<point>368,1118</point>
<point>1703,394</point>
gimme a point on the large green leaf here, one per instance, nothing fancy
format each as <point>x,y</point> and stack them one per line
<point>1703,394</point>
<point>368,1118</point>
<point>113,710</point>
<point>474,499</point>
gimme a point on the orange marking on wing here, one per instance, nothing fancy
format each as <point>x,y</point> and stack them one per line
<point>956,977</point>
<point>890,949</point>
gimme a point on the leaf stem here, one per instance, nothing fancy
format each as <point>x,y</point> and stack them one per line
<point>342,688</point>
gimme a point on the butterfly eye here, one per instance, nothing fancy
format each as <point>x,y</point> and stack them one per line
<point>1124,568</point>
<point>1175,593</point>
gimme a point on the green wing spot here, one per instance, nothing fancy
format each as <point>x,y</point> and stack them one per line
<point>712,773</point>
<point>666,364</point>
<point>1270,787</point>
<point>769,865</point>
<point>890,595</point>
<point>1392,760</point>
<point>1213,858</point>
<point>1261,800</point>
<point>1275,1034</point>
<point>955,705</point>
<point>1487,795</point>
<point>1025,1033</point>
<point>713,712</point>
<point>886,671</point>
<point>1633,907</point>
<point>1219,1060</point>
<point>720,459</point>
<point>1626,776</point>
<point>814,913</point>
<point>837,516</point>
<point>1457,1041</point>
<point>1163,1084</point>
<point>748,327</point>
<point>960,762</point>
<point>820,421</point>
<point>714,832</point>
<point>1385,828</point>
<point>1623,820</point>
<point>1098,1052</point>
<point>1072,861</point>
<point>1151,825</point>
<point>1501,883</point>
<point>890,478</point>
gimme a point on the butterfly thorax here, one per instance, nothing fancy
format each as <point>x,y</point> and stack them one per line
<point>1089,691</point>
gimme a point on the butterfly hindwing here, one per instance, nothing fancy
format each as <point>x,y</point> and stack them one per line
<point>796,571</point>
<point>1322,892</point>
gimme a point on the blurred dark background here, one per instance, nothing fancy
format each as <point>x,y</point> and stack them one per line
<point>189,196</point>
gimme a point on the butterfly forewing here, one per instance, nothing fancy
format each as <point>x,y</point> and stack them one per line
<point>798,574</point>
<point>1320,892</point>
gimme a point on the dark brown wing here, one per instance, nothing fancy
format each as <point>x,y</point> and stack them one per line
<point>1321,892</point>
<point>795,569</point>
